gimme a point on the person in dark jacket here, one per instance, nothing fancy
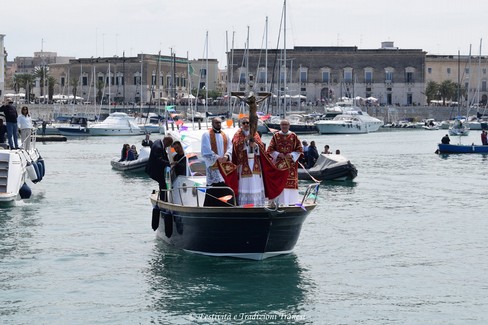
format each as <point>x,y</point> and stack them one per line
<point>158,161</point>
<point>313,154</point>
<point>3,131</point>
<point>10,112</point>
<point>445,139</point>
<point>147,142</point>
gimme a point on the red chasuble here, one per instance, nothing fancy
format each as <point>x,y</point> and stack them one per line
<point>287,143</point>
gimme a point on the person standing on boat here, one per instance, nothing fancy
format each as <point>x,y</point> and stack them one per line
<point>326,149</point>
<point>286,149</point>
<point>158,161</point>
<point>179,165</point>
<point>484,138</point>
<point>10,112</point>
<point>245,155</point>
<point>445,139</point>
<point>25,125</point>
<point>216,150</point>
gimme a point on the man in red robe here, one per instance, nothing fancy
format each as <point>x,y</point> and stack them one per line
<point>286,149</point>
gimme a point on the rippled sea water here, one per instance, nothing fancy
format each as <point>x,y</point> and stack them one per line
<point>404,243</point>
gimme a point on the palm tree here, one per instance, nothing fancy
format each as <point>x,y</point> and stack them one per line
<point>51,82</point>
<point>42,73</point>
<point>26,81</point>
<point>447,90</point>
<point>431,91</point>
<point>74,87</point>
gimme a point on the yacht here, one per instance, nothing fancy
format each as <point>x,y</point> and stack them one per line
<point>351,121</point>
<point>116,124</point>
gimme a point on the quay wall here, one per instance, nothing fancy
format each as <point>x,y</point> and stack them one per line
<point>388,114</point>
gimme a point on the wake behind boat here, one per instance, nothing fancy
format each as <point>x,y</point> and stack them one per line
<point>256,232</point>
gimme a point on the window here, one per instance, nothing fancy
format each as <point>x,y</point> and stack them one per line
<point>429,70</point>
<point>84,81</point>
<point>262,77</point>
<point>409,77</point>
<point>483,85</point>
<point>242,78</point>
<point>303,76</point>
<point>325,76</point>
<point>62,82</point>
<point>448,70</point>
<point>368,77</point>
<point>282,76</point>
<point>466,70</point>
<point>348,75</point>
<point>203,73</point>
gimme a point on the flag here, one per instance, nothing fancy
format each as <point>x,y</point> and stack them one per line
<point>179,122</point>
<point>183,128</point>
<point>250,205</point>
<point>301,206</point>
<point>170,108</point>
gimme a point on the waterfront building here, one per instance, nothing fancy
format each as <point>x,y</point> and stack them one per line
<point>469,72</point>
<point>391,75</point>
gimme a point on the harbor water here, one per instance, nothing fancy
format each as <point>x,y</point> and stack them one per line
<point>404,243</point>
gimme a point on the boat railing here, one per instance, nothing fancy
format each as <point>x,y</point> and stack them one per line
<point>187,195</point>
<point>311,193</point>
<point>186,200</point>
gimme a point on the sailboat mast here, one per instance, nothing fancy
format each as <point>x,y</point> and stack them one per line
<point>284,55</point>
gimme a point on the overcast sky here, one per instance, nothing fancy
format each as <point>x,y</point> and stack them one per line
<point>96,28</point>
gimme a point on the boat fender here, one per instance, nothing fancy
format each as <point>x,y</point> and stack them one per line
<point>40,168</point>
<point>168,224</point>
<point>41,161</point>
<point>36,168</point>
<point>31,171</point>
<point>155,218</point>
<point>25,191</point>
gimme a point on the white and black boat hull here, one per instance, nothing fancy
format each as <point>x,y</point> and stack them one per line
<point>250,233</point>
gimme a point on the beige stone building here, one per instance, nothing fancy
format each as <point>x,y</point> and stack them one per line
<point>326,74</point>
<point>470,72</point>
<point>147,77</point>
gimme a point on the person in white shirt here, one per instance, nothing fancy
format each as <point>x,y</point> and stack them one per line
<point>25,125</point>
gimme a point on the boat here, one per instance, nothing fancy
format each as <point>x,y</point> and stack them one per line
<point>430,125</point>
<point>78,126</point>
<point>299,123</point>
<point>349,122</point>
<point>18,167</point>
<point>255,233</point>
<point>462,148</point>
<point>329,167</point>
<point>137,165</point>
<point>115,124</point>
<point>459,127</point>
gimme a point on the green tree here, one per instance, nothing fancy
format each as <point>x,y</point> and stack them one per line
<point>432,91</point>
<point>74,87</point>
<point>51,82</point>
<point>447,90</point>
<point>42,73</point>
<point>100,86</point>
<point>26,81</point>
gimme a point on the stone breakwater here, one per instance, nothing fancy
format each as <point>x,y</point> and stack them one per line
<point>385,113</point>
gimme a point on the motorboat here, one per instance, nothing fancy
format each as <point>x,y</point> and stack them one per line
<point>329,167</point>
<point>462,148</point>
<point>78,126</point>
<point>430,125</point>
<point>115,124</point>
<point>351,121</point>
<point>137,165</point>
<point>18,168</point>
<point>460,127</point>
<point>299,124</point>
<point>255,233</point>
